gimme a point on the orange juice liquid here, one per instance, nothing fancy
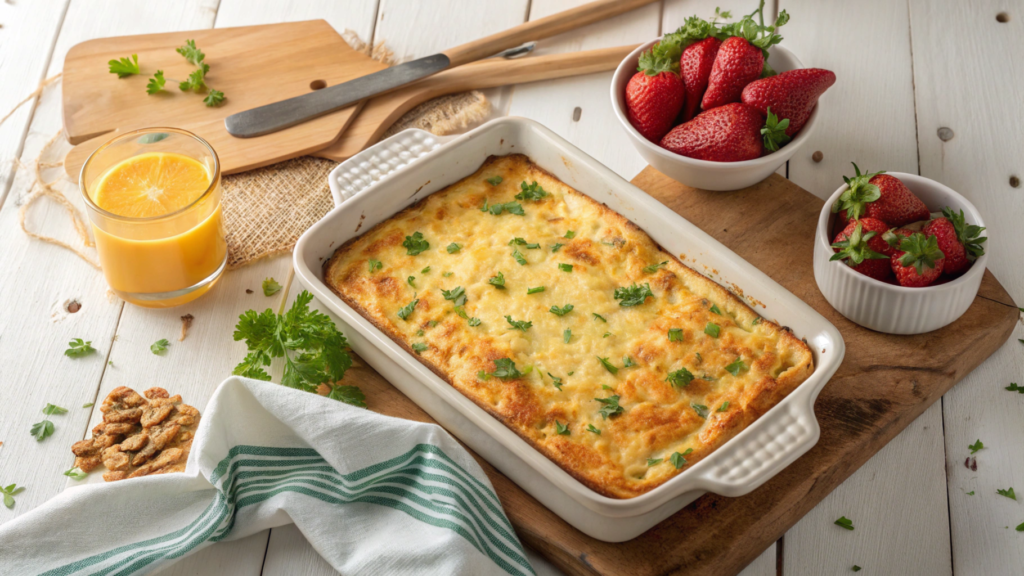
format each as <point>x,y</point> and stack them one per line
<point>172,242</point>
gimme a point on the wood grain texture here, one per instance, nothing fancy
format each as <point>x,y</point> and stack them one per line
<point>973,87</point>
<point>252,65</point>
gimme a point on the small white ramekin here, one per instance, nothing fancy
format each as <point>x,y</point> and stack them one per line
<point>704,173</point>
<point>890,308</point>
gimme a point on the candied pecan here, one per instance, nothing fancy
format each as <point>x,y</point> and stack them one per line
<point>144,455</point>
<point>119,428</point>
<point>156,414</point>
<point>84,447</point>
<point>166,458</point>
<point>155,392</point>
<point>135,443</point>
<point>127,415</point>
<point>115,459</point>
<point>88,463</point>
<point>162,436</point>
<point>120,398</point>
<point>114,476</point>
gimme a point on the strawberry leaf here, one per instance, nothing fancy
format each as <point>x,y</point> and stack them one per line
<point>652,64</point>
<point>774,132</point>
<point>920,251</point>
<point>854,250</point>
<point>968,235</point>
<point>858,194</point>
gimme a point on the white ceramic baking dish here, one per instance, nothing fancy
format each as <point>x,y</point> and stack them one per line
<point>405,168</point>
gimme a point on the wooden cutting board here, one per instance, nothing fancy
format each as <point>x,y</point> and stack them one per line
<point>252,65</point>
<point>884,383</point>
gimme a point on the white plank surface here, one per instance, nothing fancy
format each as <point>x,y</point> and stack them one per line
<point>897,499</point>
<point>971,83</point>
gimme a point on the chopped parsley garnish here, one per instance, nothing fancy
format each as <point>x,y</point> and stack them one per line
<point>425,270</point>
<point>567,335</point>
<point>679,378</point>
<point>432,323</point>
<point>562,429</point>
<point>453,248</point>
<point>627,362</point>
<point>633,295</point>
<point>565,267</point>
<point>714,308</point>
<point>43,429</point>
<point>75,474</point>
<point>270,287</point>
<point>654,461</point>
<point>406,310</point>
<point>598,317</point>
<point>510,207</point>
<point>78,348</point>
<point>497,281</point>
<point>88,405</point>
<point>494,180</point>
<point>418,347</point>
<point>561,311</point>
<point>420,332</point>
<point>570,234</point>
<point>723,407</point>
<point>521,242</point>
<point>610,407</point>
<point>483,375</point>
<point>1014,388</point>
<point>505,369</point>
<point>556,381</point>
<point>844,522</point>
<point>51,409</point>
<point>675,334</point>
<point>456,295</point>
<point>1008,493</point>
<point>608,365</point>
<point>736,366</point>
<point>159,347</point>
<point>971,493</point>
<point>700,409</point>
<point>411,281</point>
<point>654,267</point>
<point>756,321</point>
<point>474,321</point>
<point>415,244</point>
<point>536,290</point>
<point>976,446</point>
<point>590,428</point>
<point>447,274</point>
<point>519,257</point>
<point>1019,528</point>
<point>712,329</point>
<point>530,191</point>
<point>556,247</point>
<point>855,568</point>
<point>519,324</point>
<point>607,387</point>
<point>678,459</point>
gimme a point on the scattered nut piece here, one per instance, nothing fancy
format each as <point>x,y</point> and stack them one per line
<point>186,323</point>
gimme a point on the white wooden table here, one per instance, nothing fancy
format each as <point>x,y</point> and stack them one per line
<point>905,69</point>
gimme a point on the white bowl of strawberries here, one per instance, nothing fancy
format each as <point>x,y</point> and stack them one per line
<point>899,253</point>
<point>704,106</point>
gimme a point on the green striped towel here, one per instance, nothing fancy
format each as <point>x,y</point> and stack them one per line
<point>372,494</point>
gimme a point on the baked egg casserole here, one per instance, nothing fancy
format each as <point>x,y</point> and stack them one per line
<point>569,324</point>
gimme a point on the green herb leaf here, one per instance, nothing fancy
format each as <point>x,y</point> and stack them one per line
<point>675,334</point>
<point>42,430</point>
<point>599,317</point>
<point>474,321</point>
<point>773,133</point>
<point>213,98</point>
<point>405,311</point>
<point>418,347</point>
<point>505,369</point>
<point>522,325</point>
<point>1019,528</point>
<point>608,365</point>
<point>561,311</point>
<point>536,290</point>
<point>562,429</point>
<point>565,267</point>
<point>425,270</point>
<point>196,80</point>
<point>531,191</point>
<point>756,321</point>
<point>700,409</point>
<point>556,247</point>
<point>494,180</point>
<point>159,347</point>
<point>194,55</point>
<point>714,308</point>
<point>270,287</point>
<point>855,568</point>
<point>89,405</point>
<point>723,407</point>
<point>570,234</point>
<point>453,248</point>
<point>78,348</point>
<point>633,295</point>
<point>156,83</point>
<point>844,522</point>
<point>75,474</point>
<point>976,446</point>
<point>610,407</point>
<point>556,381</point>
<point>411,281</point>
<point>712,329</point>
<point>456,295</point>
<point>736,367</point>
<point>376,265</point>
<point>447,274</point>
<point>1014,388</point>
<point>591,428</point>
<point>654,267</point>
<point>497,281</point>
<point>124,67</point>
<point>483,375</point>
<point>9,492</point>
<point>567,335</point>
<point>627,362</point>
<point>349,395</point>
<point>679,378</point>
<point>971,493</point>
<point>678,459</point>
<point>654,461</point>
<point>519,257</point>
<point>1008,493</point>
<point>415,244</point>
<point>51,409</point>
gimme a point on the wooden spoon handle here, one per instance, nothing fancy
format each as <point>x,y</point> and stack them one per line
<point>541,28</point>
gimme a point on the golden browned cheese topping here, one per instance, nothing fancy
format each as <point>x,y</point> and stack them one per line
<point>570,325</point>
<point>139,435</point>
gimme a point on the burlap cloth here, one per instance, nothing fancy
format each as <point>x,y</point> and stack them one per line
<point>267,209</point>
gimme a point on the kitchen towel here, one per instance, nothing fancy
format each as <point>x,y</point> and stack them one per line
<point>372,494</point>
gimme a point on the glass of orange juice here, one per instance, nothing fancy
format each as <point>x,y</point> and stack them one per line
<point>153,197</point>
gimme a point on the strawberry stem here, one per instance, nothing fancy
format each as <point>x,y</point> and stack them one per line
<point>920,251</point>
<point>774,131</point>
<point>854,250</point>
<point>858,194</point>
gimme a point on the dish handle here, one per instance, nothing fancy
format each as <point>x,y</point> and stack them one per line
<point>742,466</point>
<point>387,157</point>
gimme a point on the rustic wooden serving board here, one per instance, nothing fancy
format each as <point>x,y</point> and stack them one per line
<point>252,65</point>
<point>884,383</point>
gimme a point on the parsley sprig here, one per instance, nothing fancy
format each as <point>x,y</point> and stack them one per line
<point>634,295</point>
<point>78,348</point>
<point>315,352</point>
<point>44,429</point>
<point>530,191</point>
<point>125,67</point>
<point>9,492</point>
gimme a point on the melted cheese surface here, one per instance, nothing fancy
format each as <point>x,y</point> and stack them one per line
<point>667,420</point>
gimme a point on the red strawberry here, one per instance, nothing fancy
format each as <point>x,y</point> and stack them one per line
<point>737,64</point>
<point>917,261</point>
<point>695,67</point>
<point>959,242</point>
<point>791,95</point>
<point>861,246</point>
<point>654,96</point>
<point>729,133</point>
<point>879,196</point>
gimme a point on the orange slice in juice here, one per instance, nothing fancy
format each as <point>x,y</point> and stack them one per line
<point>151,184</point>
